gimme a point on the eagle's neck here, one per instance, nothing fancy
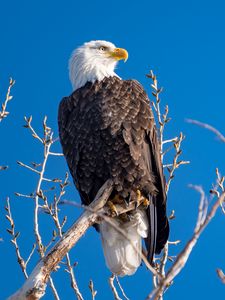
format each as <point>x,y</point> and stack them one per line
<point>89,70</point>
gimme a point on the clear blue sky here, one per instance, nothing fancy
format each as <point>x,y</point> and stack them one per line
<point>183,42</point>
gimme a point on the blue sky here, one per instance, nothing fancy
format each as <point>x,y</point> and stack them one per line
<point>183,42</point>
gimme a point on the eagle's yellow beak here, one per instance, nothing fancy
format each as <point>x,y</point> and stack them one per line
<point>119,53</point>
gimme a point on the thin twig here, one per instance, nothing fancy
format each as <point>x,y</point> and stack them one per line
<point>170,140</point>
<point>27,167</point>
<point>174,242</point>
<point>113,288</point>
<point>221,275</point>
<point>162,119</point>
<point>59,226</point>
<point>24,195</point>
<point>53,288</point>
<point>121,288</point>
<point>176,163</point>
<point>15,236</point>
<point>8,97</point>
<point>220,136</point>
<point>31,254</point>
<point>91,287</point>
<point>55,154</point>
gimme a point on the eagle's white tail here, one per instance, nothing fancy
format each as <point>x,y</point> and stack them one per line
<point>121,257</point>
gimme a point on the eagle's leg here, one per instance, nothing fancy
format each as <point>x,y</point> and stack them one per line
<point>141,200</point>
<point>117,199</point>
<point>112,208</point>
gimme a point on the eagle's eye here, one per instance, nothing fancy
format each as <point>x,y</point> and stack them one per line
<point>102,48</point>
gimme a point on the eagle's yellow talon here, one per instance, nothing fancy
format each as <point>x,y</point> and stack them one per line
<point>112,208</point>
<point>141,199</point>
<point>138,199</point>
<point>139,196</point>
<point>145,202</point>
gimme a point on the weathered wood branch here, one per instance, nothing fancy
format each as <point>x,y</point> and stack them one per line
<point>35,286</point>
<point>182,258</point>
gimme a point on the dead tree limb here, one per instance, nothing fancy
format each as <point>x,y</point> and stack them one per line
<point>34,287</point>
<point>203,220</point>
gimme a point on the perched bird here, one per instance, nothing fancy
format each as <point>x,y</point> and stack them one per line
<point>107,131</point>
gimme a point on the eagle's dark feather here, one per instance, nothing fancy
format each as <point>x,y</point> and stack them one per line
<point>107,130</point>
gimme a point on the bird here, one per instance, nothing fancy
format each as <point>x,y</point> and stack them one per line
<point>107,131</point>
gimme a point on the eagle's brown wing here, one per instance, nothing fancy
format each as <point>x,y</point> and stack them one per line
<point>150,151</point>
<point>157,209</point>
<point>107,130</point>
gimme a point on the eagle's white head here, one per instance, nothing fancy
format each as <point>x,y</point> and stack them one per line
<point>94,61</point>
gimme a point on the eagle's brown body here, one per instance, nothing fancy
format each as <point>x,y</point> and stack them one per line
<point>107,130</point>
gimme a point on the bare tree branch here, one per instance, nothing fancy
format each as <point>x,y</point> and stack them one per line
<point>202,222</point>
<point>35,285</point>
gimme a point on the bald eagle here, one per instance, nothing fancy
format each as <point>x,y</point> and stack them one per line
<point>107,131</point>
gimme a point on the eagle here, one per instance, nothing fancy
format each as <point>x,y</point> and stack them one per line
<point>107,131</point>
